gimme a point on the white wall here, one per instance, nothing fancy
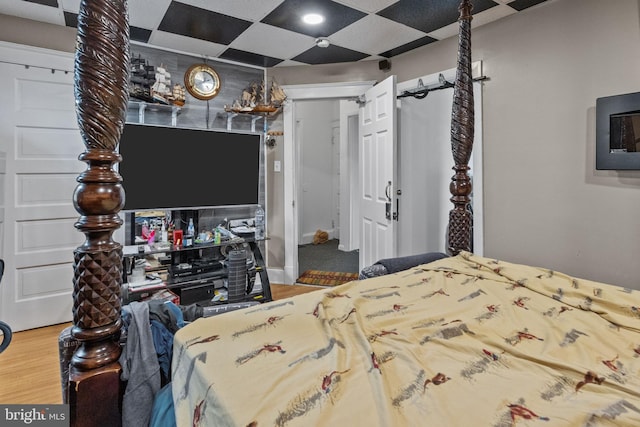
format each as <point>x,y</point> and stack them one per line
<point>314,120</point>
<point>423,152</point>
<point>545,204</point>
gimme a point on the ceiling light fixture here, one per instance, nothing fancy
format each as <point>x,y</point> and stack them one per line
<point>313,18</point>
<point>323,42</point>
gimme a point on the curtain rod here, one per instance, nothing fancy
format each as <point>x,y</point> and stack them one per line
<point>27,66</point>
<point>422,91</point>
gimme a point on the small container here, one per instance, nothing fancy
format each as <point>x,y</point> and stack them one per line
<point>164,237</point>
<point>177,238</point>
<point>259,223</point>
<point>190,234</point>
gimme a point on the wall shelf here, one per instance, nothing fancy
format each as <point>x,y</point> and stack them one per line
<point>143,106</point>
<point>255,118</point>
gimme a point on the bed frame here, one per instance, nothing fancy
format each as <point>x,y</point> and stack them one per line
<point>101,75</point>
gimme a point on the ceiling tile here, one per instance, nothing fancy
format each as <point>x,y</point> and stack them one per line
<point>329,55</point>
<point>253,10</point>
<point>71,19</point>
<point>272,41</point>
<point>249,58</point>
<point>371,6</point>
<point>202,24</point>
<point>51,3</point>
<point>409,46</point>
<point>139,34</point>
<point>523,4</point>
<point>70,5</point>
<point>147,13</point>
<point>186,44</point>
<point>270,31</point>
<point>429,16</point>
<point>289,63</point>
<point>289,16</point>
<point>28,10</point>
<point>387,35</point>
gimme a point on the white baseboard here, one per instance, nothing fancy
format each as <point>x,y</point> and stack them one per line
<point>276,275</point>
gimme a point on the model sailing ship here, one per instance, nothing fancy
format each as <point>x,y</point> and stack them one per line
<point>163,92</point>
<point>257,99</point>
<point>153,84</point>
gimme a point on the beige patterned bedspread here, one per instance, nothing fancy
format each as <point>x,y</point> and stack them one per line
<point>463,341</point>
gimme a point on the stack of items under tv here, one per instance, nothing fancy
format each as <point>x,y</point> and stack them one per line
<point>206,281</point>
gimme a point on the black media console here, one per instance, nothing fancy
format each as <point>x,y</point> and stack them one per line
<point>209,273</point>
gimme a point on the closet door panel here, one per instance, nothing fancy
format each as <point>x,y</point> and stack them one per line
<point>40,138</point>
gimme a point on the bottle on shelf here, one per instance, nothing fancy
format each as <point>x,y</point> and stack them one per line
<point>163,233</point>
<point>259,223</point>
<point>190,235</point>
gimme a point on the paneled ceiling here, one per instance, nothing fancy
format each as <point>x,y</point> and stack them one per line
<point>270,33</point>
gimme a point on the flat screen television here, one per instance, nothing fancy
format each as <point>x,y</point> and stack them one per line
<point>179,168</point>
<point>618,132</point>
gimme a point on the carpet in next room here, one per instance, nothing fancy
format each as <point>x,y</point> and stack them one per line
<point>327,257</point>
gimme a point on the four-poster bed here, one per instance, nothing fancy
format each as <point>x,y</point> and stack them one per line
<point>462,340</point>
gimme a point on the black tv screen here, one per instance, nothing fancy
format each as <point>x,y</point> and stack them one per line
<point>179,168</point>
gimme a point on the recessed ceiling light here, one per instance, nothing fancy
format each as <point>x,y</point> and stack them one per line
<point>313,18</point>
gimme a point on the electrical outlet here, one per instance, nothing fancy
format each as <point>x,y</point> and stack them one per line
<point>276,166</point>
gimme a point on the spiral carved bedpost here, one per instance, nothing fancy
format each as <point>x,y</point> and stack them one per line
<point>100,85</point>
<point>462,127</point>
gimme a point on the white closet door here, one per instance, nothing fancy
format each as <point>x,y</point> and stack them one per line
<point>41,140</point>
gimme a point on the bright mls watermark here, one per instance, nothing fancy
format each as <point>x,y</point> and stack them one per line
<point>34,415</point>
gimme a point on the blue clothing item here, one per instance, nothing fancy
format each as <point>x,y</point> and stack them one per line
<point>177,312</point>
<point>163,343</point>
<point>167,313</point>
<point>163,413</point>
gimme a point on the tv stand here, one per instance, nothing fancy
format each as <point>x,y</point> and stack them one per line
<point>198,280</point>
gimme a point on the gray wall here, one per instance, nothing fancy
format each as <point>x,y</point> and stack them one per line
<point>545,204</point>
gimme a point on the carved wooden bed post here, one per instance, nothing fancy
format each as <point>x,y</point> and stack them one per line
<point>101,79</point>
<point>462,127</point>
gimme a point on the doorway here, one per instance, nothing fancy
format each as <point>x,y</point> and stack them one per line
<point>297,94</point>
<point>320,226</point>
<point>417,137</point>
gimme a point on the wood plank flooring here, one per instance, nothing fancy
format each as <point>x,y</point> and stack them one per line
<point>29,379</point>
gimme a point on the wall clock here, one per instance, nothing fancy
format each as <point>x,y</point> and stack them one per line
<point>202,81</point>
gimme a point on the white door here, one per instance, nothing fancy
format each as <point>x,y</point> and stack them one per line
<point>335,174</point>
<point>377,150</point>
<point>39,133</point>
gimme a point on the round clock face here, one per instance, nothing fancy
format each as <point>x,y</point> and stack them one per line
<point>202,81</point>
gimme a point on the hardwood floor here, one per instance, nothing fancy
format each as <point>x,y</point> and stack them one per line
<point>30,369</point>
